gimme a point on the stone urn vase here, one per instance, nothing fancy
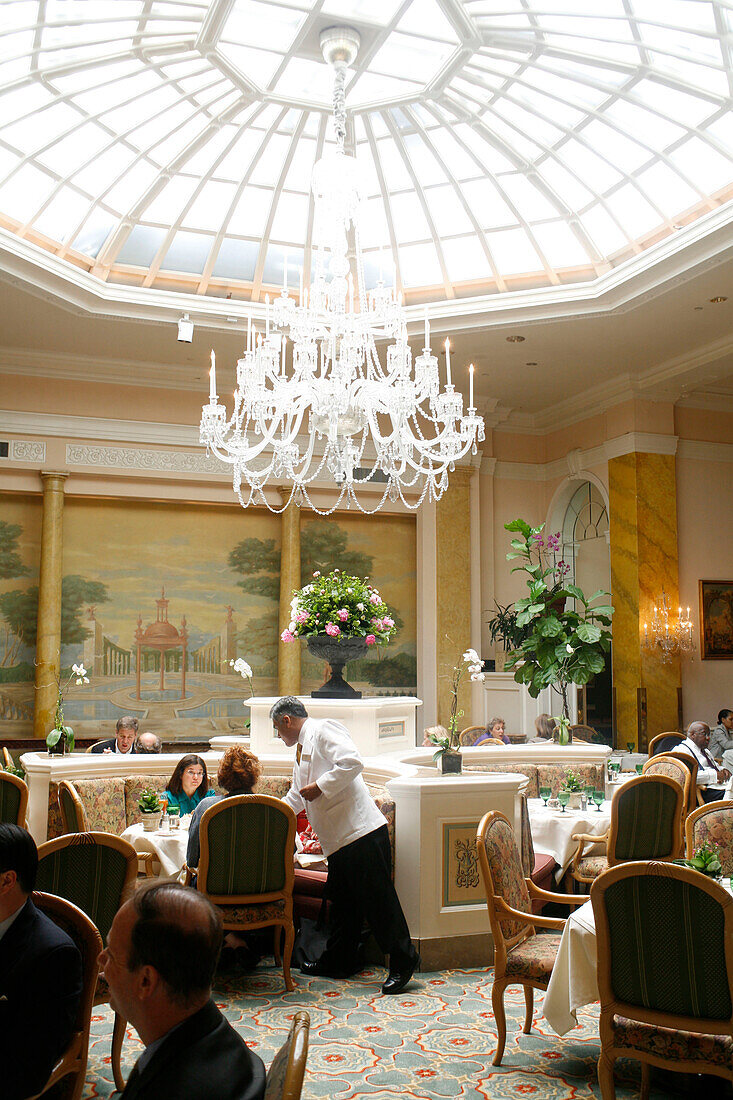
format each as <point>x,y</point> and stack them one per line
<point>337,652</point>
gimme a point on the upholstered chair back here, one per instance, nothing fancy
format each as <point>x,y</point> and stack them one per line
<point>505,878</point>
<point>646,820</point>
<point>712,824</point>
<point>13,799</point>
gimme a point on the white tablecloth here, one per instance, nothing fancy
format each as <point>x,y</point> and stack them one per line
<point>552,830</point>
<point>169,848</point>
<point>573,982</point>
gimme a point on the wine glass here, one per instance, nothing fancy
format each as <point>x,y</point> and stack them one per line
<point>639,768</point>
<point>599,797</point>
<point>545,793</point>
<point>630,746</point>
<point>563,798</point>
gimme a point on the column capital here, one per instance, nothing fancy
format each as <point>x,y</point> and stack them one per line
<point>54,475</point>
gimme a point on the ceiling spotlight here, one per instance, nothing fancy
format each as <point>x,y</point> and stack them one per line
<point>515,339</point>
<point>719,298</point>
<point>185,329</point>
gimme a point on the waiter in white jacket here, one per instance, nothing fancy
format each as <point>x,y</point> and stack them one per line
<point>327,783</point>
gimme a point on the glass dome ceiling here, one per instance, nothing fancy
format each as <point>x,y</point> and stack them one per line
<point>502,143</point>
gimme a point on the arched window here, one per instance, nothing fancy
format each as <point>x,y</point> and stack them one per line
<point>586,520</point>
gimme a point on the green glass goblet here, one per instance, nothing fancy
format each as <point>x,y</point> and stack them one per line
<point>639,768</point>
<point>630,746</point>
<point>599,797</point>
<point>563,798</point>
<point>545,793</point>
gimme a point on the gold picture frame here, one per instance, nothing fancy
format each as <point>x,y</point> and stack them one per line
<point>716,620</point>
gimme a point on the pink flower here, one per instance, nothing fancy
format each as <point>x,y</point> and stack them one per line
<point>333,630</point>
<point>387,621</point>
<point>378,624</point>
<point>374,598</point>
<point>343,614</point>
<point>317,573</point>
<point>287,636</point>
<point>301,617</point>
<point>370,639</point>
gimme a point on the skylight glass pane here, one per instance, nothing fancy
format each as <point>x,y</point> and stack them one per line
<point>489,157</point>
<point>269,166</point>
<point>489,208</point>
<point>681,13</point>
<point>254,24</point>
<point>272,273</point>
<point>235,164</point>
<point>603,231</point>
<point>62,215</point>
<point>698,76</point>
<point>466,259</point>
<point>419,265</point>
<point>373,224</point>
<point>188,252</point>
<point>71,151</point>
<point>423,161</point>
<point>513,252</point>
<point>214,145</point>
<point>371,11</point>
<point>405,53</point>
<point>462,165</point>
<point>368,176</point>
<point>23,101</point>
<point>251,212</point>
<point>37,130</point>
<point>447,211</point>
<point>425,17</point>
<point>530,203</point>
<point>302,79</point>
<point>136,181</point>
<point>210,206</point>
<point>624,153</point>
<point>291,218</point>
<point>560,246</point>
<point>236,260</point>
<point>396,175</point>
<point>373,87</point>
<point>169,203</point>
<point>141,247</point>
<point>633,211</point>
<point>539,129</point>
<point>687,109</point>
<point>705,166</point>
<point>257,66</point>
<point>670,193</point>
<point>301,166</point>
<point>409,220</point>
<point>95,231</point>
<point>722,131</point>
<point>25,192</point>
<point>564,183</point>
<point>596,174</point>
<point>8,161</point>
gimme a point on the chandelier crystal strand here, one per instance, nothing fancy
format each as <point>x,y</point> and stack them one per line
<point>668,637</point>
<point>331,412</point>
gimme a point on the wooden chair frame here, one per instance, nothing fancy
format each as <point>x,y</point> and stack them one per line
<point>689,762</point>
<point>16,781</point>
<point>283,923</point>
<point>592,736</point>
<point>476,730</point>
<point>694,817</point>
<point>295,1049</point>
<point>101,995</point>
<point>655,740</point>
<point>81,825</point>
<point>609,837</point>
<point>499,909</point>
<point>74,1058</point>
<point>611,1006</point>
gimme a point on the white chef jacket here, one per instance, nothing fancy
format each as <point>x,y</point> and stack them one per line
<point>344,811</point>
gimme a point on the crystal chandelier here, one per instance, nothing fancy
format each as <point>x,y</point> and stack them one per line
<point>324,409</point>
<point>667,637</point>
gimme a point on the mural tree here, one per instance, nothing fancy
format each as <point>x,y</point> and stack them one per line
<point>323,546</point>
<point>20,610</point>
<point>11,566</point>
<point>259,561</point>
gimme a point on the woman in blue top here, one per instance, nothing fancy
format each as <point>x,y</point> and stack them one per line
<point>188,784</point>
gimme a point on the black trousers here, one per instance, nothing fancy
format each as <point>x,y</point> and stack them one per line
<point>360,887</point>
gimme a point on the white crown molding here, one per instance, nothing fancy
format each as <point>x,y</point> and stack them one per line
<point>702,450</point>
<point>137,458</point>
<point>576,463</point>
<point>88,427</point>
<point>118,372</point>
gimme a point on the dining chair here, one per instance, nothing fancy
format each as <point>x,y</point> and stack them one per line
<point>696,798</point>
<point>671,765</point>
<point>664,742</point>
<point>712,824</point>
<point>646,823</point>
<point>664,937</point>
<point>246,867</point>
<point>13,799</point>
<point>96,872</point>
<point>586,735</point>
<point>467,737</point>
<point>71,807</point>
<point>285,1076</point>
<point>73,1062</point>
<point>520,956</point>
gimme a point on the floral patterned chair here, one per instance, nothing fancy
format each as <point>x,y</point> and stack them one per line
<point>530,770</point>
<point>285,1075</point>
<point>246,867</point>
<point>712,824</point>
<point>646,823</point>
<point>665,971</point>
<point>520,956</point>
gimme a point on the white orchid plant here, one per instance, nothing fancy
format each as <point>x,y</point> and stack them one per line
<point>472,664</point>
<point>245,671</point>
<point>79,675</point>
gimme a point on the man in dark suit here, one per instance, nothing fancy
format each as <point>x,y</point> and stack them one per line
<point>159,963</point>
<point>124,740</point>
<point>40,975</point>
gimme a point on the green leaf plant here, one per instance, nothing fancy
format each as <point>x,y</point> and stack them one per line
<point>560,646</point>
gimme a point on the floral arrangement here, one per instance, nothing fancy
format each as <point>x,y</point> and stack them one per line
<point>705,859</point>
<point>471,663</point>
<point>571,782</point>
<point>79,674</point>
<point>339,605</point>
<point>560,647</point>
<point>245,671</point>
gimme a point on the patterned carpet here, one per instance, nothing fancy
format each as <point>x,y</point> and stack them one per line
<point>432,1042</point>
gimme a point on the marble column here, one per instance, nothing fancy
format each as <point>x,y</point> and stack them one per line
<point>288,653</point>
<point>48,644</point>
<point>643,531</point>
<point>453,591</point>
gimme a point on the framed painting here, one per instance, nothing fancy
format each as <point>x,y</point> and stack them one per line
<point>716,620</point>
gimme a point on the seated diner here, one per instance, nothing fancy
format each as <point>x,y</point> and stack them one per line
<point>494,729</point>
<point>239,771</point>
<point>189,784</point>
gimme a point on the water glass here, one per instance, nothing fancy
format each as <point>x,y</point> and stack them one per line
<point>599,797</point>
<point>639,768</point>
<point>545,793</point>
<point>563,798</point>
<point>630,746</point>
<point>174,815</point>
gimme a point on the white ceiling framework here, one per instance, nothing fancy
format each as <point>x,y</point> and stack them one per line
<point>504,144</point>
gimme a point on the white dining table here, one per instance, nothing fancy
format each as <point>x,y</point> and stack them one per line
<point>553,829</point>
<point>168,847</point>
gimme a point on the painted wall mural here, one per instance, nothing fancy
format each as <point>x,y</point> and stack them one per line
<point>158,598</point>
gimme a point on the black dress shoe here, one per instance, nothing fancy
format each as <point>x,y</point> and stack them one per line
<point>398,979</point>
<point>318,970</point>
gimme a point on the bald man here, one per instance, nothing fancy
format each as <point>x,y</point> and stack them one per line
<point>711,779</point>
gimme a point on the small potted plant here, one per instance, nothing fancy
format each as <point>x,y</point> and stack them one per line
<point>448,749</point>
<point>151,809</point>
<point>572,784</point>
<point>61,738</point>
<point>705,859</point>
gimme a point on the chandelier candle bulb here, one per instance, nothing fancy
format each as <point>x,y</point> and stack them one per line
<point>267,316</point>
<point>285,274</point>
<point>427,331</point>
<point>447,362</point>
<point>470,387</point>
<point>212,379</point>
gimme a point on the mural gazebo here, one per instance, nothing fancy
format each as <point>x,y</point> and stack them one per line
<point>161,636</point>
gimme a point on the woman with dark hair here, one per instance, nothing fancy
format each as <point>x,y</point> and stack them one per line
<point>188,784</point>
<point>239,770</point>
